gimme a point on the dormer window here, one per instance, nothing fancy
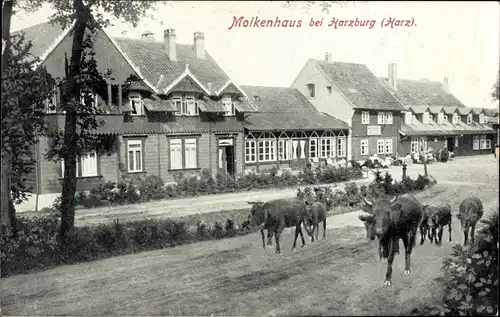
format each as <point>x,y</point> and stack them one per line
<point>408,117</point>
<point>228,105</point>
<point>445,117</point>
<point>136,104</point>
<point>177,100</point>
<point>185,105</point>
<point>482,118</point>
<point>311,90</point>
<point>456,119</point>
<point>469,119</point>
<point>425,118</point>
<point>440,118</point>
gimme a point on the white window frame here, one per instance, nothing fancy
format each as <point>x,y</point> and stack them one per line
<point>482,118</point>
<point>189,106</point>
<point>136,104</point>
<point>190,153</point>
<point>250,151</point>
<point>484,142</point>
<point>87,163</point>
<point>469,118</point>
<point>380,146</point>
<point>313,147</point>
<point>137,167</point>
<point>284,149</point>
<point>326,147</point>
<point>268,147</point>
<point>408,117</point>
<point>381,118</point>
<point>425,118</point>
<point>228,105</point>
<point>388,146</point>
<point>475,142</point>
<point>388,118</point>
<point>440,118</point>
<point>341,146</point>
<point>414,145</point>
<point>177,100</point>
<point>364,147</point>
<point>488,144</point>
<point>311,90</point>
<point>365,117</point>
<point>456,118</point>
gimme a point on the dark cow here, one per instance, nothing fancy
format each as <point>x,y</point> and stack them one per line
<point>440,216</point>
<point>316,214</point>
<point>425,225</point>
<point>391,220</point>
<point>275,216</point>
<point>470,212</point>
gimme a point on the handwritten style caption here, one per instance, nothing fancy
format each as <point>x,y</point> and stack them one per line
<point>256,22</point>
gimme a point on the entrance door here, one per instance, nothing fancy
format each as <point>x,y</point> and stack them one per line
<point>450,144</point>
<point>226,156</point>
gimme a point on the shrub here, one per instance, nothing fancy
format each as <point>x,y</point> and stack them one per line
<point>470,276</point>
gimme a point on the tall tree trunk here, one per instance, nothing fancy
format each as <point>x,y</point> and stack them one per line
<point>7,206</point>
<point>71,90</point>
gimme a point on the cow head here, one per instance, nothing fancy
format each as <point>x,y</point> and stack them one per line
<point>465,221</point>
<point>377,216</point>
<point>257,215</point>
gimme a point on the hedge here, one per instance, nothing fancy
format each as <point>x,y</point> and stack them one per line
<point>35,245</point>
<point>138,189</point>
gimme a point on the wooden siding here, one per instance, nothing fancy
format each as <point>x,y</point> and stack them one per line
<point>372,146</point>
<point>387,130</point>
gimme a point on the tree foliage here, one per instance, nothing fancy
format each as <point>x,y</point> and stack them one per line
<point>495,93</point>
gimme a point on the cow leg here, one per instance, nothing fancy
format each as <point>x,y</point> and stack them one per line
<point>408,243</point>
<point>472,232</point>
<point>390,259</point>
<point>423,232</point>
<point>317,231</point>
<point>324,229</point>
<point>269,237</point>
<point>277,234</point>
<point>312,234</point>
<point>449,232</point>
<point>301,235</point>
<point>440,234</point>
<point>263,239</point>
<point>466,236</point>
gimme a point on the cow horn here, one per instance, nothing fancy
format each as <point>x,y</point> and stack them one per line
<point>394,199</point>
<point>369,203</point>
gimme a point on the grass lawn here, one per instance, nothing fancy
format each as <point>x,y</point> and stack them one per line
<point>340,275</point>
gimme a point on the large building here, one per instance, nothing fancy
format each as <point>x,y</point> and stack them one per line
<point>352,93</point>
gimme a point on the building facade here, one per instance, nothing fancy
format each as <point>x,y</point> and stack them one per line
<point>352,93</point>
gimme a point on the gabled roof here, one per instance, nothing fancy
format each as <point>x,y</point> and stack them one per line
<point>283,108</point>
<point>359,85</point>
<point>450,110</point>
<point>435,109</point>
<point>419,109</point>
<point>419,92</point>
<point>464,111</point>
<point>478,110</point>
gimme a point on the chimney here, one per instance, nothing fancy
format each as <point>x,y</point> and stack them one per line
<point>199,45</point>
<point>170,45</point>
<point>147,36</point>
<point>328,57</point>
<point>393,76</point>
<point>446,86</point>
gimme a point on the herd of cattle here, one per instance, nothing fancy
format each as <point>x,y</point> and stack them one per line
<point>388,220</point>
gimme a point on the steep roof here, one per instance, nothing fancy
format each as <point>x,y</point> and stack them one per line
<point>435,109</point>
<point>418,92</point>
<point>419,109</point>
<point>359,85</point>
<point>283,108</point>
<point>450,110</point>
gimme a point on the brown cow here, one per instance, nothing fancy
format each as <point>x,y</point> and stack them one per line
<point>470,212</point>
<point>391,220</point>
<point>439,217</point>
<point>317,214</point>
<point>276,215</point>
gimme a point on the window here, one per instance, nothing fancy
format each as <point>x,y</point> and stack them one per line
<point>310,90</point>
<point>250,151</point>
<point>425,118</point>
<point>484,142</point>
<point>189,107</point>
<point>380,146</point>
<point>445,118</point>
<point>414,145</point>
<point>475,142</point>
<point>284,149</point>
<point>341,146</point>
<point>190,158</point>
<point>177,100</point>
<point>228,105</point>
<point>440,118</point>
<point>388,118</point>
<point>482,118</point>
<point>134,149</point>
<point>364,147</point>
<point>381,118</point>
<point>388,146</point>
<point>327,147</point>
<point>408,117</point>
<point>51,104</point>
<point>469,119</point>
<point>136,104</point>
<point>455,118</point>
<point>313,148</point>
<point>84,98</point>
<point>267,150</point>
<point>329,90</point>
<point>86,165</point>
<point>365,117</point>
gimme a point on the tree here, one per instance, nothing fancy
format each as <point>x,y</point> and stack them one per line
<point>88,17</point>
<point>24,90</point>
<point>495,93</point>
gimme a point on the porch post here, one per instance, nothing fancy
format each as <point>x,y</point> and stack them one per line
<point>120,97</point>
<point>109,93</point>
<point>349,145</point>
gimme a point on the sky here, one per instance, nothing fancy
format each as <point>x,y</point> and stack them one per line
<point>458,40</point>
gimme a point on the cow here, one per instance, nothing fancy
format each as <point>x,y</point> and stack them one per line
<point>425,225</point>
<point>470,212</point>
<point>390,221</point>
<point>316,214</point>
<point>276,215</point>
<point>439,217</point>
